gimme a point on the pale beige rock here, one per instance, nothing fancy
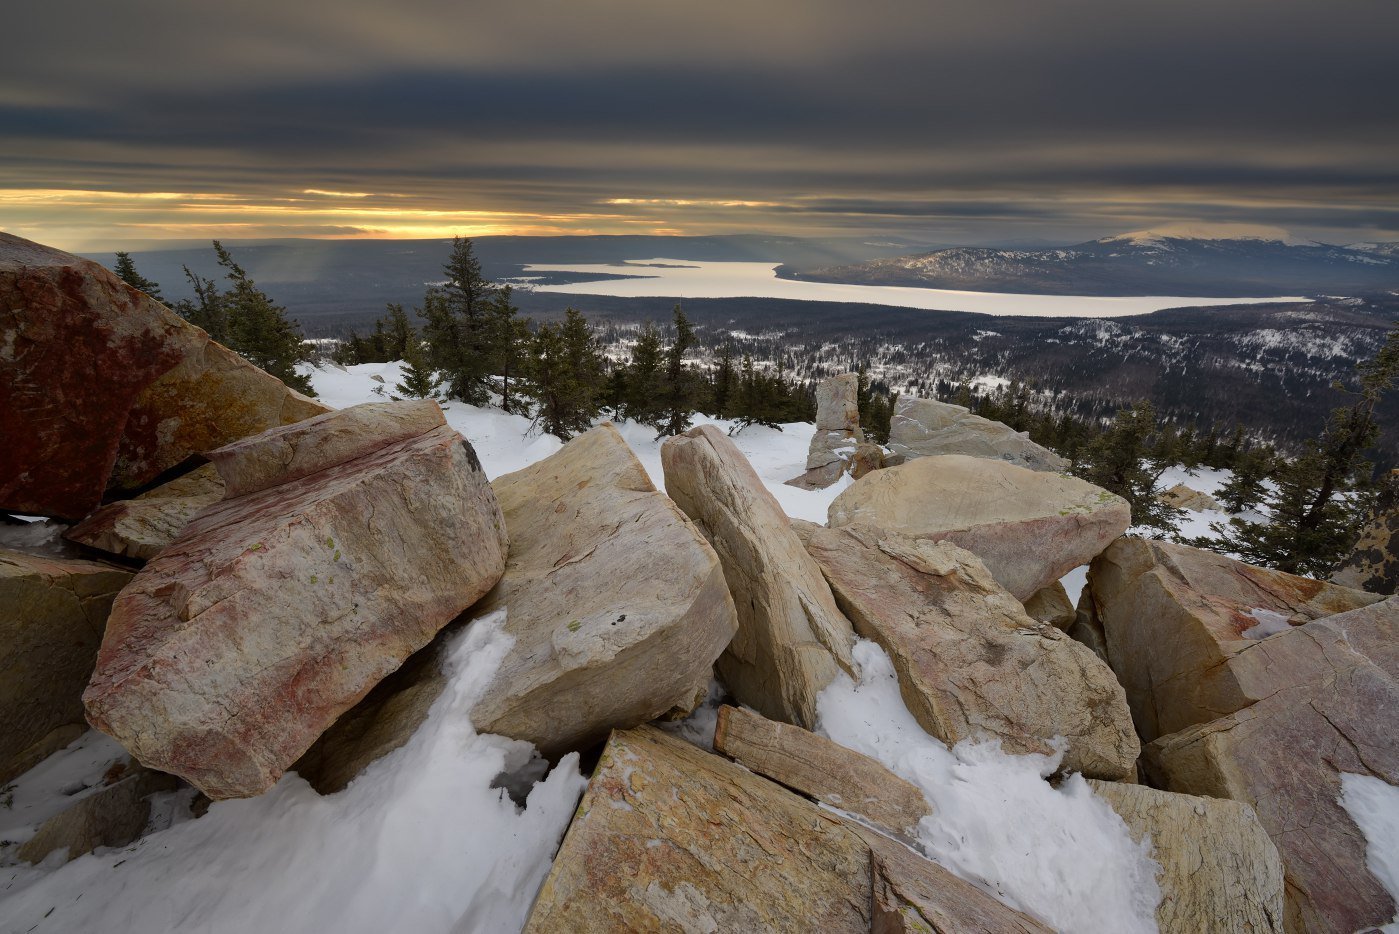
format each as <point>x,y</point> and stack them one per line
<point>617,604</point>
<point>140,528</point>
<point>275,611</point>
<point>112,816</point>
<point>868,458</point>
<point>821,769</point>
<point>671,838</point>
<point>1052,605</point>
<point>838,433</point>
<point>1373,562</point>
<point>1174,620</point>
<point>791,640</point>
<point>928,428</point>
<point>1181,496</point>
<point>1031,528</point>
<point>1285,754</point>
<point>970,662</point>
<point>1219,870</point>
<point>52,614</point>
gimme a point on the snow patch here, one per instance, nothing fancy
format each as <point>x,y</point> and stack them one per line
<point>1270,623</point>
<point>1374,806</point>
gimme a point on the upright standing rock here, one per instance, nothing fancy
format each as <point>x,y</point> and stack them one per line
<point>1031,528</point>
<point>792,640</point>
<point>838,433</point>
<point>101,385</point>
<point>928,428</point>
<point>346,543</point>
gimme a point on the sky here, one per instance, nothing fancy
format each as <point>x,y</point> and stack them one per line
<point>969,121</point>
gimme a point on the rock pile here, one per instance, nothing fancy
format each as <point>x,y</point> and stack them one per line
<point>838,446</point>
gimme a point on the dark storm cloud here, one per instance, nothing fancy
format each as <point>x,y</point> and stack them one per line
<point>926,116</point>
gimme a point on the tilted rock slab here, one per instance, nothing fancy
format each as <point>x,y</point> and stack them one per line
<point>792,640</point>
<point>1219,870</point>
<point>1284,756</point>
<point>142,527</point>
<point>1186,630</point>
<point>821,769</point>
<point>52,615</point>
<point>838,433</point>
<point>971,664</point>
<point>115,815</point>
<point>1031,528</point>
<point>346,543</point>
<point>669,837</point>
<point>102,386</point>
<point>1052,605</point>
<point>928,428</point>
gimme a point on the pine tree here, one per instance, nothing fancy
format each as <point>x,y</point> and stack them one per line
<point>1120,462</point>
<point>420,381</point>
<point>442,341</point>
<point>208,310</point>
<point>678,396</point>
<point>469,295</point>
<point>1245,488</point>
<point>509,337</point>
<point>644,377</point>
<point>400,337</point>
<point>725,383</point>
<point>259,329</point>
<point>126,272</point>
<point>566,375</point>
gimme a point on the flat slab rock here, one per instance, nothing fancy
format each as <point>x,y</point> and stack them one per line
<point>669,837</point>
<point>928,428</point>
<point>970,662</point>
<point>279,608</point>
<point>1285,754</point>
<point>142,527</point>
<point>1029,527</point>
<point>1219,870</point>
<point>52,614</point>
<point>102,386</point>
<point>1187,631</point>
<point>791,640</point>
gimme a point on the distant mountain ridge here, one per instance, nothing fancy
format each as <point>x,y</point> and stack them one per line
<point>1143,263</point>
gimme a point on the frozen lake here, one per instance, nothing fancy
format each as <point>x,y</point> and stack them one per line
<point>678,278</point>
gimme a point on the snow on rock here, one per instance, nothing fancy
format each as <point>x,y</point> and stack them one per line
<point>1374,806</point>
<point>1061,854</point>
<point>421,842</point>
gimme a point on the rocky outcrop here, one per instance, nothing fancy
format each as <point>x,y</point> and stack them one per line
<point>102,386</point>
<point>821,769</point>
<point>1031,528</point>
<point>838,433</point>
<point>1219,870</point>
<point>791,640</point>
<point>1187,630</point>
<point>52,614</point>
<point>1285,755</point>
<point>1052,605</point>
<point>928,428</point>
<point>114,815</point>
<point>1373,563</point>
<point>970,662</point>
<point>669,837</point>
<point>140,528</point>
<point>1181,496</point>
<point>278,608</point>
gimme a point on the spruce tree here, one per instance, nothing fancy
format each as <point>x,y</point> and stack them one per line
<point>644,377</point>
<point>1120,461</point>
<point>259,329</point>
<point>1245,490</point>
<point>725,383</point>
<point>420,381</point>
<point>208,309</point>
<point>566,375</point>
<point>678,396</point>
<point>442,341</point>
<point>509,338</point>
<point>126,272</point>
<point>469,296</point>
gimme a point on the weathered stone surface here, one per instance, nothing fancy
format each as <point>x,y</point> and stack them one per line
<point>140,528</point>
<point>100,385</point>
<point>821,769</point>
<point>275,611</point>
<point>617,603</point>
<point>1181,496</point>
<point>868,457</point>
<point>52,613</point>
<point>1184,629</point>
<point>669,837</point>
<point>1052,605</point>
<point>928,428</point>
<point>1285,755</point>
<point>970,662</point>
<point>837,435</point>
<point>113,816</point>
<point>1373,564</point>
<point>1219,870</point>
<point>1031,528</point>
<point>791,640</point>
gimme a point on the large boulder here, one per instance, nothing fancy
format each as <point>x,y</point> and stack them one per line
<point>792,640</point>
<point>971,663</point>
<point>838,434</point>
<point>928,428</point>
<point>1052,605</point>
<point>346,543</point>
<point>669,837</point>
<point>102,386</point>
<point>1286,756</point>
<point>617,605</point>
<point>1219,870</point>
<point>1373,563</point>
<point>52,614</point>
<point>1187,630</point>
<point>1031,528</point>
<point>142,527</point>
<point>1188,498</point>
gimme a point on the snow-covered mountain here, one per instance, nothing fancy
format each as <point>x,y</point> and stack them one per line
<point>1169,262</point>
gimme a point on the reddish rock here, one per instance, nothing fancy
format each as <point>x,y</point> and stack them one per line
<point>275,611</point>
<point>95,375</point>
